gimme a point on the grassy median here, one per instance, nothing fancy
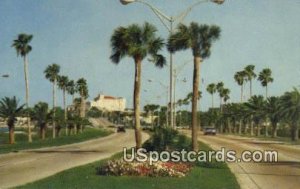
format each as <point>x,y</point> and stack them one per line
<point>22,144</point>
<point>203,176</point>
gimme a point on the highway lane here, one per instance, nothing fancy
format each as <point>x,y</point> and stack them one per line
<point>31,165</point>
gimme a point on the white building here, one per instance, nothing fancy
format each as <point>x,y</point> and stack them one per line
<point>108,103</point>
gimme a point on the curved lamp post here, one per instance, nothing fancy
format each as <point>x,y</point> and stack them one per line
<point>168,22</point>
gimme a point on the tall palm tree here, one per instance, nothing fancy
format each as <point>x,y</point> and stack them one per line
<point>199,39</point>
<point>63,82</point>
<point>211,89</point>
<point>239,77</point>
<point>265,77</point>
<point>137,42</point>
<point>10,110</point>
<point>290,108</point>
<point>225,95</point>
<point>250,74</point>
<point>71,89</point>
<point>51,73</point>
<point>41,115</point>
<point>220,88</point>
<point>272,111</point>
<point>21,44</point>
<point>82,88</point>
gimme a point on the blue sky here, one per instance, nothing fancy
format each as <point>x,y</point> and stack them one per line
<point>76,34</point>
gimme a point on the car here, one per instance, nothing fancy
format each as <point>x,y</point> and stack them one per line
<point>209,131</point>
<point>121,129</point>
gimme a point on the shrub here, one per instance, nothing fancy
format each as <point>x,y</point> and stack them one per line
<point>167,139</point>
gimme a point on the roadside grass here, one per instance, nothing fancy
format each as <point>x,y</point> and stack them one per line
<point>285,140</point>
<point>203,176</point>
<point>22,143</point>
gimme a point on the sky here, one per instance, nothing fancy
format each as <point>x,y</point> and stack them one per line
<point>76,35</point>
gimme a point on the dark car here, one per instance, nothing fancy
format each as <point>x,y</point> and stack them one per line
<point>209,131</point>
<point>121,129</point>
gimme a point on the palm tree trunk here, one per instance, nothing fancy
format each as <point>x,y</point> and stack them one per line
<point>251,126</point>
<point>212,100</point>
<point>54,104</point>
<point>43,133</point>
<point>250,88</point>
<point>274,130</point>
<point>197,61</point>
<point>11,135</point>
<point>27,96</point>
<point>242,90</point>
<point>295,131</point>
<point>240,127</point>
<point>266,91</point>
<point>65,110</point>
<point>136,102</point>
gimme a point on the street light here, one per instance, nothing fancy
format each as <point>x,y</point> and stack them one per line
<point>169,25</point>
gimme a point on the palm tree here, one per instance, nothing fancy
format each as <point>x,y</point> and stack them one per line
<point>225,95</point>
<point>272,110</point>
<point>63,82</point>
<point>82,88</point>
<point>265,77</point>
<point>239,77</point>
<point>199,39</point>
<point>10,110</point>
<point>137,42</point>
<point>211,89</point>
<point>21,44</point>
<point>220,88</point>
<point>250,74</point>
<point>41,115</point>
<point>51,73</point>
<point>255,107</point>
<point>290,108</point>
<point>71,89</point>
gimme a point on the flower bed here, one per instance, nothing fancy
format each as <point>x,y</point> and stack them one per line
<point>157,169</point>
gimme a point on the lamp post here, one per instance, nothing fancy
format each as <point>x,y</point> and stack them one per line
<point>168,22</point>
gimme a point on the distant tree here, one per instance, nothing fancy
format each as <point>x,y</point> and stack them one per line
<point>239,77</point>
<point>21,44</point>
<point>255,107</point>
<point>290,109</point>
<point>212,89</point>
<point>10,110</point>
<point>82,88</point>
<point>265,77</point>
<point>272,111</point>
<point>151,108</point>
<point>41,115</point>
<point>71,89</point>
<point>51,73</point>
<point>63,82</point>
<point>250,74</point>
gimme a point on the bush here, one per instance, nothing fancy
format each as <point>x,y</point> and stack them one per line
<point>167,139</point>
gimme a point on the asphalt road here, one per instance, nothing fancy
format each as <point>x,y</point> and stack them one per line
<point>284,174</point>
<point>28,166</point>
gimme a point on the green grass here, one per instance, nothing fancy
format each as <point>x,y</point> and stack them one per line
<point>286,140</point>
<point>203,176</point>
<point>22,144</point>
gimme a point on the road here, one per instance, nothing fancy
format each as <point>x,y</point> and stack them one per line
<point>285,174</point>
<point>31,165</point>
